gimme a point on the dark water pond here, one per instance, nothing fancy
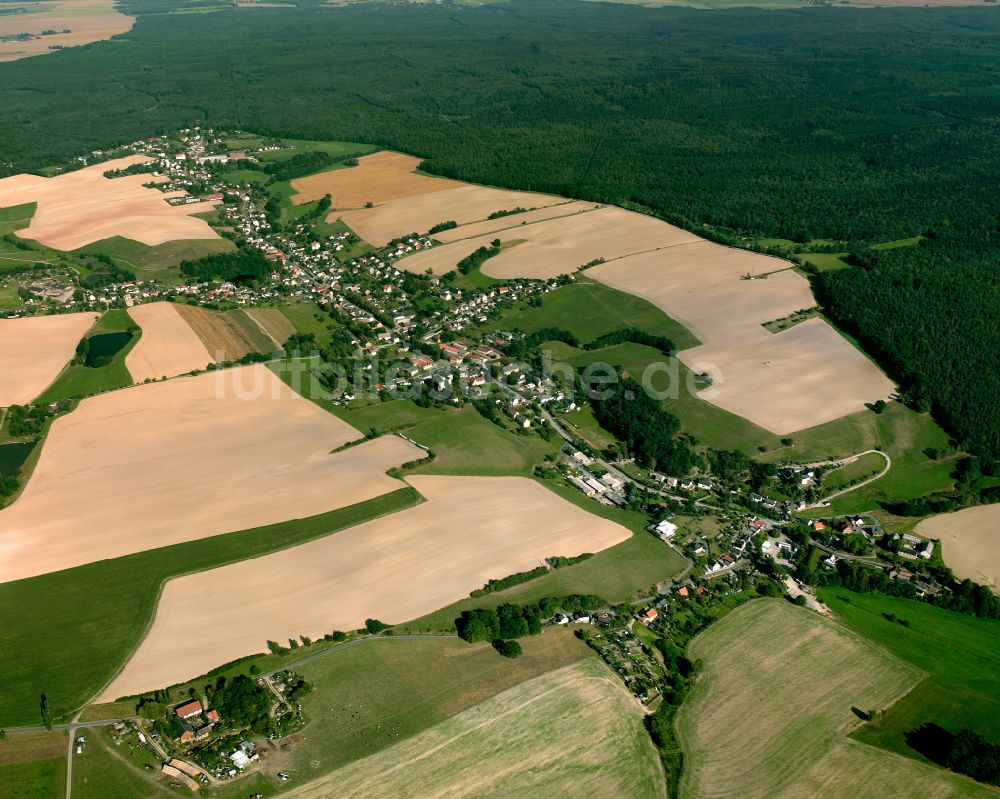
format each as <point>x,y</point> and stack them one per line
<point>105,346</point>
<point>12,456</point>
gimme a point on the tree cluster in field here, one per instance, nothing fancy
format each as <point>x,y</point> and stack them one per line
<point>965,752</point>
<point>105,272</point>
<point>633,335</point>
<point>241,702</point>
<point>442,226</point>
<point>298,165</point>
<point>508,212</point>
<point>242,266</point>
<point>509,581</point>
<point>649,431</point>
<point>478,257</point>
<point>27,420</point>
<point>559,562</point>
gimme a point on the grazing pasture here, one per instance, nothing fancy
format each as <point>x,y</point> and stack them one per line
<point>469,530</point>
<point>970,542</point>
<point>572,732</point>
<point>80,207</point>
<point>34,350</point>
<point>75,22</point>
<point>771,710</point>
<point>464,204</point>
<point>159,464</point>
<point>168,347</point>
<point>377,178</point>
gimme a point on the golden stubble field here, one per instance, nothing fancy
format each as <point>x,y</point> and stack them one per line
<point>163,463</point>
<point>771,710</point>
<point>575,731</point>
<point>87,21</point>
<point>396,568</point>
<point>34,350</point>
<point>80,207</point>
<point>970,540</point>
<point>168,346</point>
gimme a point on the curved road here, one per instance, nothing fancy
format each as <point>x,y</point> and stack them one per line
<point>843,462</point>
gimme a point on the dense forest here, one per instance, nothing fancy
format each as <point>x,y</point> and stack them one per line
<point>855,125</point>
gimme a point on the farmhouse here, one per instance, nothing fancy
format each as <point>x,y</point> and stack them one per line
<point>192,722</point>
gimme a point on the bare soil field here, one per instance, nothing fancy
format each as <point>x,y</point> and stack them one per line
<point>81,207</point>
<point>467,203</point>
<point>168,346</point>
<point>158,464</point>
<point>554,247</point>
<point>572,732</point>
<point>787,381</point>
<point>377,178</point>
<point>273,323</point>
<point>399,567</point>
<point>515,221</point>
<point>771,710</point>
<point>227,336</point>
<point>34,350</point>
<point>970,540</point>
<point>86,20</point>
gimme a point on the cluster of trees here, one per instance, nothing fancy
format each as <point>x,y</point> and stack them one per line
<point>966,752</point>
<point>478,257</point>
<point>632,335</point>
<point>649,431</point>
<point>509,581</point>
<point>242,266</point>
<point>508,621</point>
<point>241,702</point>
<point>732,466</point>
<point>105,272</point>
<point>27,420</point>
<point>441,226</point>
<point>298,165</point>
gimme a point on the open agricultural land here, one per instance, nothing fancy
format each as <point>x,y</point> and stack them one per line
<point>34,350</point>
<point>182,460</point>
<point>574,731</point>
<point>468,531</point>
<point>771,711</point>
<point>81,207</point>
<point>970,541</point>
<point>168,346</point>
<point>33,765</point>
<point>37,28</point>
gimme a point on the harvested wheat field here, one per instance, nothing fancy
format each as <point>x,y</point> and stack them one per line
<point>86,20</point>
<point>554,247</point>
<point>377,178</point>
<point>970,541</point>
<point>273,323</point>
<point>515,221</point>
<point>418,214</point>
<point>168,346</point>
<point>227,336</point>
<point>399,567</point>
<point>803,376</point>
<point>771,710</point>
<point>162,463</point>
<point>34,350</point>
<point>81,207</point>
<point>575,731</point>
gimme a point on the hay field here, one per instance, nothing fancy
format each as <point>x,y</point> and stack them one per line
<point>87,21</point>
<point>554,247</point>
<point>467,203</point>
<point>771,711</point>
<point>34,350</point>
<point>162,463</point>
<point>168,346</point>
<point>970,540</point>
<point>395,568</point>
<point>81,207</point>
<point>572,732</point>
<point>377,178</point>
<point>803,376</point>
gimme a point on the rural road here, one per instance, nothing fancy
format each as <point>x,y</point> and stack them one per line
<point>844,461</point>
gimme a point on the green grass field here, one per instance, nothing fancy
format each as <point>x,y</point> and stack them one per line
<point>772,709</point>
<point>308,318</point>
<point>572,732</point>
<point>155,262</point>
<point>959,653</point>
<point>588,309</point>
<point>863,467</point>
<point>33,779</point>
<point>9,298</point>
<point>98,774</point>
<point>77,380</point>
<point>245,176</point>
<point>296,146</point>
<point>76,627</point>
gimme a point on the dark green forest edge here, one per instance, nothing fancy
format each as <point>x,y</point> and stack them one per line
<point>788,137</point>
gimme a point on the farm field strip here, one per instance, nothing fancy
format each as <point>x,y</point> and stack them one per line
<point>970,540</point>
<point>395,568</point>
<point>273,323</point>
<point>515,221</point>
<point>158,464</point>
<point>573,731</point>
<point>168,346</point>
<point>770,713</point>
<point>227,336</point>
<point>81,207</point>
<point>34,350</point>
<point>86,20</point>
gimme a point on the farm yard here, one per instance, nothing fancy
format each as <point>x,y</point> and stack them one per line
<point>970,542</point>
<point>73,22</point>
<point>163,463</point>
<point>573,731</point>
<point>81,207</point>
<point>468,531</point>
<point>34,350</point>
<point>772,708</point>
<point>168,347</point>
